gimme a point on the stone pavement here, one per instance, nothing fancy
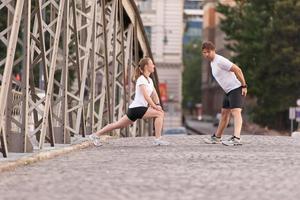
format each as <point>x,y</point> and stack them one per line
<point>264,167</point>
<point>208,128</point>
<point>20,159</point>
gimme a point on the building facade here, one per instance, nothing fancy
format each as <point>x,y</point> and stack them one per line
<point>163,21</point>
<point>193,20</point>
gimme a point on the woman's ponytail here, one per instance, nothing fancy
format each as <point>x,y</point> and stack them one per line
<point>140,69</point>
<point>137,73</point>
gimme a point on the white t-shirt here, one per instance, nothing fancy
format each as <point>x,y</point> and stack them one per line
<point>139,99</point>
<point>220,67</point>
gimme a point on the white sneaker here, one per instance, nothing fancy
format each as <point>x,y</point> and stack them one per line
<point>232,141</point>
<point>95,139</point>
<point>160,142</point>
<point>213,140</point>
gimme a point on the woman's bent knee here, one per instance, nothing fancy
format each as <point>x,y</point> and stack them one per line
<point>162,114</point>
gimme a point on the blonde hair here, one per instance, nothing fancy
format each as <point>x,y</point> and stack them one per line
<point>140,69</point>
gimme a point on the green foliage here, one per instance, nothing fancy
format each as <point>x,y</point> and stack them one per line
<point>266,41</point>
<point>192,60</point>
<point>3,24</point>
<point>3,53</point>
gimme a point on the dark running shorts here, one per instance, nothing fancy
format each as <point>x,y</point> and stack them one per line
<point>136,113</point>
<point>233,99</point>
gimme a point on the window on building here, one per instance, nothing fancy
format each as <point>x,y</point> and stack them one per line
<point>193,4</point>
<point>148,33</point>
<point>145,5</point>
<point>193,30</point>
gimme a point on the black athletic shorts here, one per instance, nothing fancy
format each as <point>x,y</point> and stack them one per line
<point>234,99</point>
<point>136,113</point>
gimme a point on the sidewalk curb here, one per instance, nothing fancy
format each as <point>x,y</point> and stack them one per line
<point>12,165</point>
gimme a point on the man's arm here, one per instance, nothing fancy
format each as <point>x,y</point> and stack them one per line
<point>240,76</point>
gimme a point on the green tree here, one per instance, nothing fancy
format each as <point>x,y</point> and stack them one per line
<point>3,25</point>
<point>267,45</point>
<point>192,73</point>
<point>3,47</point>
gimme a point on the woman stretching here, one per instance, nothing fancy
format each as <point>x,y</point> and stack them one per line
<point>142,107</point>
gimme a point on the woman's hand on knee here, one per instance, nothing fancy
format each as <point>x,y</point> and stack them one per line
<point>158,107</point>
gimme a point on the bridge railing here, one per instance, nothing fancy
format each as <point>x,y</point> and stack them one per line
<point>81,54</point>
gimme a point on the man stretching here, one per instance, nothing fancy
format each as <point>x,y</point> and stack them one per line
<point>231,79</point>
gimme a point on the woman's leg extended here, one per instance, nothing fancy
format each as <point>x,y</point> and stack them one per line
<point>159,120</point>
<point>121,123</point>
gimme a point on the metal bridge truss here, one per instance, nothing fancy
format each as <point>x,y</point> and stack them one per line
<point>85,52</point>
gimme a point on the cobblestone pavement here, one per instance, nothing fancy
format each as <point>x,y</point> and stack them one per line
<point>264,167</point>
<point>208,128</point>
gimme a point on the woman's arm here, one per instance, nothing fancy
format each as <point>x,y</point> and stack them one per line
<point>155,97</point>
<point>148,98</point>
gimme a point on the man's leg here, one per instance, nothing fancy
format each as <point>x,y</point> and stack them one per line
<point>225,117</point>
<point>216,137</point>
<point>238,121</point>
<point>236,102</point>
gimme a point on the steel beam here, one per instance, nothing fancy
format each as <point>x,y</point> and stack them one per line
<point>86,53</point>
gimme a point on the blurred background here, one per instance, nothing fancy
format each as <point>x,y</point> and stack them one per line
<point>262,37</point>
